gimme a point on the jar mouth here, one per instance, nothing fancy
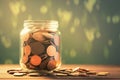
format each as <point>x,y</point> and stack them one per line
<point>51,25</point>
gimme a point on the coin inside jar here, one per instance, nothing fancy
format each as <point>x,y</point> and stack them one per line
<point>51,65</point>
<point>57,58</point>
<point>38,36</point>
<point>51,50</point>
<point>37,48</point>
<point>25,37</point>
<point>27,50</point>
<point>35,60</point>
<point>56,40</point>
<point>25,59</point>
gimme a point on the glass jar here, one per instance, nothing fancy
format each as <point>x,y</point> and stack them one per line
<point>40,45</point>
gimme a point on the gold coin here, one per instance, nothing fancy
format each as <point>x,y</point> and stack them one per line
<point>25,37</point>
<point>47,35</point>
<point>51,50</point>
<point>38,36</point>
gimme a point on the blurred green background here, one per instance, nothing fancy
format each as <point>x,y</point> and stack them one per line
<point>90,28</point>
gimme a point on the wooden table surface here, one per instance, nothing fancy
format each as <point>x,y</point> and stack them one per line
<point>112,69</point>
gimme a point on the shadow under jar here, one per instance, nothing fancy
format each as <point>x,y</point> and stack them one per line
<point>40,45</point>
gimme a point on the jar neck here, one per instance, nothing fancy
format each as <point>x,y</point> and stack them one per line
<point>43,25</point>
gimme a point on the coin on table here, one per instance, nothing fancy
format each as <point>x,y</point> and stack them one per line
<point>74,74</point>
<point>34,74</point>
<point>83,74</point>
<point>51,65</point>
<point>19,74</point>
<point>27,50</point>
<point>38,36</point>
<point>102,73</point>
<point>51,50</point>
<point>35,60</point>
<point>37,48</point>
<point>91,73</point>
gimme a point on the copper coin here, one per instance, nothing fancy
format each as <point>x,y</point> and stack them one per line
<point>51,65</point>
<point>51,50</point>
<point>44,64</point>
<point>35,60</point>
<point>27,50</point>
<point>47,35</point>
<point>30,66</point>
<point>37,48</point>
<point>25,36</point>
<point>24,59</point>
<point>56,40</point>
<point>57,59</point>
<point>38,36</point>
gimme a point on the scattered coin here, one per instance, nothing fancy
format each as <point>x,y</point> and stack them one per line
<point>76,69</point>
<point>58,74</point>
<point>74,74</point>
<point>102,73</point>
<point>34,74</point>
<point>91,73</point>
<point>19,74</point>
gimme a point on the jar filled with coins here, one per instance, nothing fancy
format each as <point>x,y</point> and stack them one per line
<point>40,45</point>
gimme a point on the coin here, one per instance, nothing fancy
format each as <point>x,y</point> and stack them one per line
<point>58,74</point>
<point>51,50</point>
<point>57,59</point>
<point>25,37</point>
<point>35,60</point>
<point>37,48</point>
<point>51,65</point>
<point>76,69</point>
<point>38,36</point>
<point>34,74</point>
<point>44,64</point>
<point>25,59</point>
<point>56,40</point>
<point>91,73</point>
<point>19,74</point>
<point>27,50</point>
<point>47,35</point>
<point>102,73</point>
<point>74,74</point>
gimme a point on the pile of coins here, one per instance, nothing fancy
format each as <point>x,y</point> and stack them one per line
<point>41,50</point>
<point>59,72</point>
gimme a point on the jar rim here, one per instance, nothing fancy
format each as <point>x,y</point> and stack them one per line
<point>41,21</point>
<point>51,25</point>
